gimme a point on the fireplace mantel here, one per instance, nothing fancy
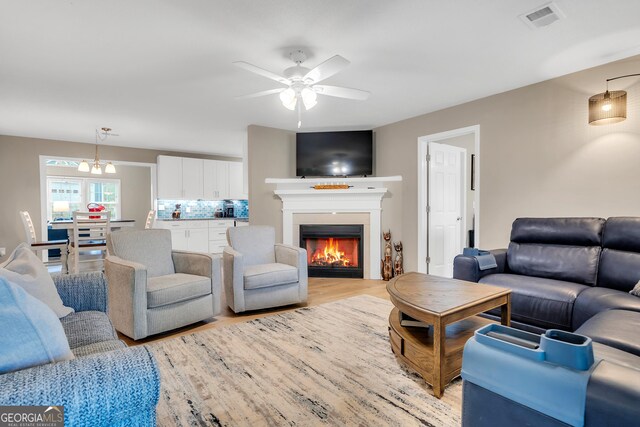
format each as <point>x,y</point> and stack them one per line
<point>364,196</point>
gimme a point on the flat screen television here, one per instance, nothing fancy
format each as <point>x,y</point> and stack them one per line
<point>347,153</point>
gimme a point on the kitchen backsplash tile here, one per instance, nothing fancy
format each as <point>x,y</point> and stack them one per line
<point>200,208</point>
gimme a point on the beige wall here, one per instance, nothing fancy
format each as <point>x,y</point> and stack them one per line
<point>271,154</point>
<point>135,189</point>
<point>20,176</point>
<point>538,157</point>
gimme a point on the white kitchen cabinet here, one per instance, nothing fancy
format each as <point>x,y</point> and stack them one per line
<point>185,178</point>
<point>187,235</point>
<point>218,235</point>
<point>192,183</point>
<point>216,180</point>
<point>236,181</point>
<point>180,178</point>
<point>179,240</point>
<point>169,177</point>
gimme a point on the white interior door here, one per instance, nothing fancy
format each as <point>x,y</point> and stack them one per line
<point>446,198</point>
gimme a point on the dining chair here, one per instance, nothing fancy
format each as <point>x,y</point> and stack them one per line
<point>90,231</point>
<point>36,246</point>
<point>151,216</point>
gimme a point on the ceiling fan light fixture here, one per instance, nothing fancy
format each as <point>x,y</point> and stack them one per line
<point>309,98</point>
<point>288,98</point>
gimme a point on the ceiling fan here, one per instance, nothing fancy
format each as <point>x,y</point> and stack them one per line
<point>302,83</point>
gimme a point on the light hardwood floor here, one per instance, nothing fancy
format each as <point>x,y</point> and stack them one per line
<point>321,290</point>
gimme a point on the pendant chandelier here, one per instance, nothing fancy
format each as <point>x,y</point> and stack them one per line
<point>609,107</point>
<point>96,168</point>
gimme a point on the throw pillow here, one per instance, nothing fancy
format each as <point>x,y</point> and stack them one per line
<point>26,270</point>
<point>636,290</point>
<point>31,333</point>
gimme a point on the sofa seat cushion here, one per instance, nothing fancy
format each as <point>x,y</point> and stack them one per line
<point>87,327</point>
<point>545,303</point>
<point>615,328</point>
<point>98,347</point>
<point>594,300</point>
<point>267,275</point>
<point>173,288</point>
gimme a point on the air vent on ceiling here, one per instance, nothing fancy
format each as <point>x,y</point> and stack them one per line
<point>542,16</point>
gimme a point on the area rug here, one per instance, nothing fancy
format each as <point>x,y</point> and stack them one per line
<point>326,365</point>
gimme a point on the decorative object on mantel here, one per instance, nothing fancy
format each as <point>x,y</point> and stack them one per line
<point>609,107</point>
<point>331,186</point>
<point>96,168</point>
<point>398,267</point>
<point>387,267</point>
<point>302,83</point>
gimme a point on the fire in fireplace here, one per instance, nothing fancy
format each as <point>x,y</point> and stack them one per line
<point>333,250</point>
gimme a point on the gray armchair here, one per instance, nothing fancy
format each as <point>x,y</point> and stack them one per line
<point>153,289</point>
<point>260,273</point>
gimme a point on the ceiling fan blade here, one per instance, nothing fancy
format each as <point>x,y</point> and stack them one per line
<point>327,69</point>
<point>262,72</point>
<point>261,93</point>
<point>341,92</point>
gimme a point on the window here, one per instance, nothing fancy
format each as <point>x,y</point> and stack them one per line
<point>67,194</point>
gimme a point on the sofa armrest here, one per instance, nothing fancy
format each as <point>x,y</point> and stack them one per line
<point>613,396</point>
<point>98,390</point>
<point>467,268</point>
<point>127,283</point>
<point>233,276</point>
<point>83,292</point>
<point>291,255</point>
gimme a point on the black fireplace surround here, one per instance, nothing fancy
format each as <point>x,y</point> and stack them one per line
<point>312,232</point>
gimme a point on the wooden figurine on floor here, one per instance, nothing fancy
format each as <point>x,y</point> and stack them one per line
<point>398,268</point>
<point>387,267</point>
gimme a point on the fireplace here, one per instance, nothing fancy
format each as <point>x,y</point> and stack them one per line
<point>333,250</point>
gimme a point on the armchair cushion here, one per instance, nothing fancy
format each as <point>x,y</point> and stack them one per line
<point>173,288</point>
<point>151,248</point>
<point>267,275</point>
<point>255,243</point>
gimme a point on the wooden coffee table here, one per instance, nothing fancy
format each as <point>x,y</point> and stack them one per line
<point>450,306</point>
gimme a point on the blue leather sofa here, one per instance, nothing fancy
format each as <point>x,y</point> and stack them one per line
<point>107,384</point>
<point>572,274</point>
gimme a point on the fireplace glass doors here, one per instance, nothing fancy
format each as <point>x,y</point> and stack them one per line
<point>333,250</point>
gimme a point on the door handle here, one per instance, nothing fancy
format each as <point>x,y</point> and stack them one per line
<point>459,218</point>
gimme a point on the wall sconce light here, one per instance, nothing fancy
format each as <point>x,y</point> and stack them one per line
<point>609,107</point>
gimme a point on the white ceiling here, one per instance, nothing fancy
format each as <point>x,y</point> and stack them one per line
<point>160,73</point>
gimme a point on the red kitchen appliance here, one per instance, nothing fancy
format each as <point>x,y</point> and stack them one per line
<point>95,207</point>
